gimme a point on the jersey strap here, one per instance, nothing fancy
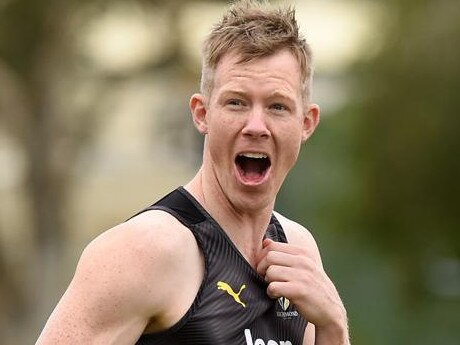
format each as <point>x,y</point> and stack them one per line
<point>231,306</point>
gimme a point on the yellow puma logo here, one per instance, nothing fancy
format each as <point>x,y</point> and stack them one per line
<point>236,296</point>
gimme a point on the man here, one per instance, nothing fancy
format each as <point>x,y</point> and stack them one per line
<point>211,263</point>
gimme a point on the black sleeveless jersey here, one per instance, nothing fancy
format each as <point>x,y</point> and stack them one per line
<point>232,306</point>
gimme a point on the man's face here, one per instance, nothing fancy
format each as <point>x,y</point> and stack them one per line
<point>254,121</point>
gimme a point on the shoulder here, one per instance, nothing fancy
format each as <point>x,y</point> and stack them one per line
<point>121,262</point>
<point>150,235</point>
<point>123,280</point>
<point>298,235</point>
<point>295,232</point>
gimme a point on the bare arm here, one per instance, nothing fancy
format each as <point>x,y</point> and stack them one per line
<point>114,294</point>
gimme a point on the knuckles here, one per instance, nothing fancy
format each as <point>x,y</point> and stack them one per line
<point>271,257</point>
<point>270,273</point>
<point>273,290</point>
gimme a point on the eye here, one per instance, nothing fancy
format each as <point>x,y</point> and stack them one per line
<point>279,107</point>
<point>235,103</point>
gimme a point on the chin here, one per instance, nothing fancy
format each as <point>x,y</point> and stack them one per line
<point>253,198</point>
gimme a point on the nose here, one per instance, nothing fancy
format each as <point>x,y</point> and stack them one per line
<point>255,125</point>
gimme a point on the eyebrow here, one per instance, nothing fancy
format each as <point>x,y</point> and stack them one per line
<point>277,94</point>
<point>233,92</point>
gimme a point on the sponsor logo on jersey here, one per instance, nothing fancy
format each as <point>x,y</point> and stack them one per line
<point>285,313</point>
<point>227,288</point>
<point>250,341</point>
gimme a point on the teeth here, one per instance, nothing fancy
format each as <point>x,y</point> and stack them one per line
<point>253,155</point>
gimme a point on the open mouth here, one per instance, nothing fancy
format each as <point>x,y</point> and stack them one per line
<point>252,167</point>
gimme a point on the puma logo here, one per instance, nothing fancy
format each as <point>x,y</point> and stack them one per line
<point>236,296</point>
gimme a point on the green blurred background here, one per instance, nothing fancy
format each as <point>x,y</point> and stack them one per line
<point>94,125</point>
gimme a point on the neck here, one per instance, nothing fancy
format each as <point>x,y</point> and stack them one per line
<point>245,226</point>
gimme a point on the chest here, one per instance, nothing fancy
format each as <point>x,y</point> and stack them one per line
<point>231,305</point>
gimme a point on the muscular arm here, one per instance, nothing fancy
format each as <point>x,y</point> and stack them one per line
<point>295,271</point>
<point>115,292</point>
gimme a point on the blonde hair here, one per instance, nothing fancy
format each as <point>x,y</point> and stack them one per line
<point>252,30</point>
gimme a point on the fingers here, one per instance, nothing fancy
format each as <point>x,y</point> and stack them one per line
<point>287,268</point>
<point>281,254</point>
<point>277,289</point>
<point>296,273</point>
<point>270,245</point>
<point>271,259</point>
<point>276,273</point>
<point>270,248</point>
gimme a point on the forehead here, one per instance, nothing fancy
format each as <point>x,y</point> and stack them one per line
<point>280,70</point>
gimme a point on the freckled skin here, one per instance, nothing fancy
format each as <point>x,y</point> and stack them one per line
<point>143,275</point>
<point>255,124</point>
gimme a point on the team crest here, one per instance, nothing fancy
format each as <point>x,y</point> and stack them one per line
<point>284,303</point>
<point>287,309</point>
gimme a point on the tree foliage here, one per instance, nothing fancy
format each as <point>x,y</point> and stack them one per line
<point>380,182</point>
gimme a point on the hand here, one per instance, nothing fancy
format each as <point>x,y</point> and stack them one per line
<point>293,272</point>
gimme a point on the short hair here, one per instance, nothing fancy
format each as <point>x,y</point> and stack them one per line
<point>252,30</point>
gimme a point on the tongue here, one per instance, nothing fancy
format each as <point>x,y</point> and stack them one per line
<point>252,169</point>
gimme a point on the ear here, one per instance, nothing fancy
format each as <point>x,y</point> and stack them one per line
<point>198,109</point>
<point>310,121</point>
